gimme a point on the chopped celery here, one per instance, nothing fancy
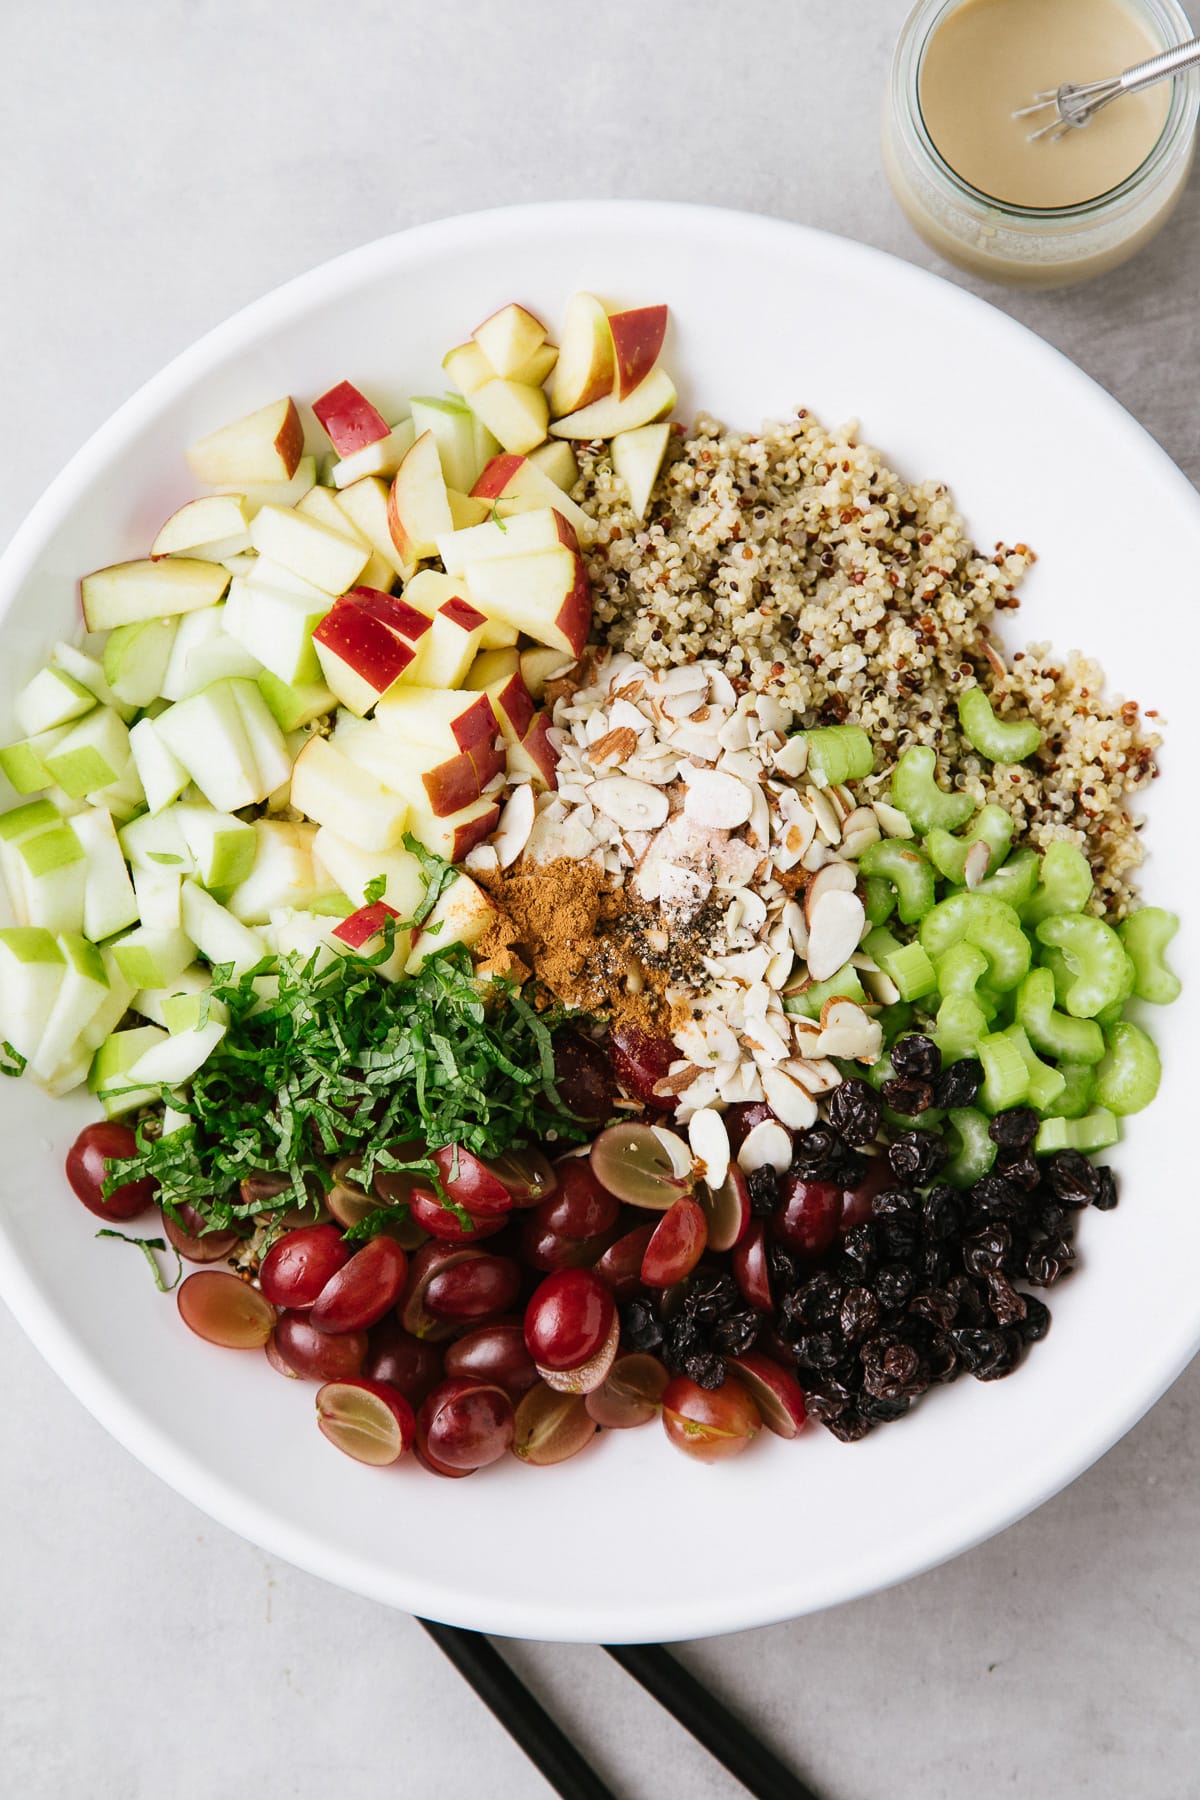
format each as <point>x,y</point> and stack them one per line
<point>961,969</point>
<point>907,965</point>
<point>1015,882</point>
<point>1000,740</point>
<point>913,1121</point>
<point>976,1152</point>
<point>845,985</point>
<point>1145,935</point>
<point>907,870</point>
<point>1101,973</point>
<point>1045,1083</point>
<point>960,1024</point>
<point>879,900</point>
<point>1095,1131</point>
<point>989,924</point>
<point>1076,1097</point>
<point>1005,1076</point>
<point>838,753</point>
<point>883,1069</point>
<point>926,806</point>
<point>991,826</point>
<point>894,1021</point>
<point>1065,885</point>
<point>1055,1033</point>
<point>1128,1078</point>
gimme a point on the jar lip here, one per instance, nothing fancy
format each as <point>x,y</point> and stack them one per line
<point>1178,127</point>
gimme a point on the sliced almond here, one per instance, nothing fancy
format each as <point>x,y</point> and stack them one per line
<point>633,805</point>
<point>881,987</point>
<point>976,864</point>
<point>765,1146</point>
<point>847,1031</point>
<point>892,822</point>
<point>859,830</point>
<point>816,1075</point>
<point>482,860</point>
<point>792,757</point>
<point>792,1104</point>
<point>829,824</point>
<point>710,1144</point>
<point>616,746</point>
<point>835,926</point>
<point>678,1152</point>
<point>717,801</point>
<point>834,877</point>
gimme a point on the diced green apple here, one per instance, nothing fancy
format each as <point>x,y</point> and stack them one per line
<point>151,958</point>
<point>637,457</point>
<point>109,1079</point>
<point>276,628</point>
<point>331,562</point>
<point>515,414</point>
<point>136,658</point>
<point>208,735</point>
<point>651,399</point>
<point>81,993</point>
<point>128,592</point>
<point>155,841</point>
<point>92,755</point>
<point>171,1063</point>
<point>457,433</point>
<point>353,869</point>
<point>461,916</point>
<point>217,934</point>
<point>90,674</point>
<point>51,879</point>
<point>151,1003</point>
<point>124,798</point>
<point>264,446</point>
<point>158,898</point>
<point>32,968</point>
<point>213,528</point>
<point>162,775</point>
<point>293,704</point>
<point>203,652</point>
<point>331,790</point>
<point>23,762</point>
<point>222,847</point>
<point>52,698</point>
<point>282,875</point>
<point>109,901</point>
<point>113,1007</point>
<point>272,757</point>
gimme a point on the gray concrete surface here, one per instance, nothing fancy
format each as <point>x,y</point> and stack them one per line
<point>163,165</point>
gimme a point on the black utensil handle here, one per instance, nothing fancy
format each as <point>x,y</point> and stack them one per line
<point>699,1712</point>
<point>505,1695</point>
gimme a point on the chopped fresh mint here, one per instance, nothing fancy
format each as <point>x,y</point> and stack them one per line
<point>11,1061</point>
<point>148,1246</point>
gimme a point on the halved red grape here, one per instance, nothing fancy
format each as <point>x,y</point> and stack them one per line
<point>774,1390</point>
<point>363,1289</point>
<point>222,1309</point>
<point>677,1245</point>
<point>316,1355</point>
<point>368,1420</point>
<point>465,1424</point>
<point>550,1250</point>
<point>587,1375</point>
<point>631,1394</point>
<point>193,1242</point>
<point>640,1060</point>
<point>750,1270</point>
<point>568,1319</point>
<point>637,1164</point>
<point>620,1268</point>
<point>528,1175</point>
<point>583,1078</point>
<point>494,1353</point>
<point>471,1183</point>
<point>474,1289</point>
<point>413,1313</point>
<point>808,1218</point>
<point>741,1118</point>
<point>580,1208</point>
<point>858,1202</point>
<point>277,1359</point>
<point>393,1186</point>
<point>408,1363</point>
<point>103,1142</point>
<point>709,1425</point>
<point>296,1268</point>
<point>726,1209</point>
<point>551,1427</point>
<point>440,1222</point>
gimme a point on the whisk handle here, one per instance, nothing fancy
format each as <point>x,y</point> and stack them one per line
<point>1157,68</point>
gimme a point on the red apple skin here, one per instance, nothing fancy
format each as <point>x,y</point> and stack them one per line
<point>537,746</point>
<point>566,534</point>
<point>637,339</point>
<point>461,612</point>
<point>363,925</point>
<point>367,647</point>
<point>478,724</point>
<point>289,440</point>
<point>514,706</point>
<point>473,832</point>
<point>350,420</point>
<point>575,614</point>
<point>392,611</point>
<point>496,476</point>
<point>460,780</point>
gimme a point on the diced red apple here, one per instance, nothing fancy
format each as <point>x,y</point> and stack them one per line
<point>546,595</point>
<point>380,458</point>
<point>362,647</point>
<point>509,338</point>
<point>516,415</point>
<point>350,421</point>
<point>325,558</point>
<point>213,528</point>
<point>451,721</point>
<point>513,705</point>
<point>517,485</point>
<point>127,593</point>
<point>539,665</point>
<point>653,399</point>
<point>543,529</point>
<point>468,368</point>
<point>637,342</point>
<point>533,373</point>
<point>535,755</point>
<point>418,510</point>
<point>557,460</point>
<point>322,506</point>
<point>426,775</point>
<point>637,457</point>
<point>448,650</point>
<point>490,666</point>
<point>331,790</point>
<point>364,924</point>
<point>454,836</point>
<point>586,369</point>
<point>365,504</point>
<point>264,446</point>
<point>461,916</point>
<point>464,511</point>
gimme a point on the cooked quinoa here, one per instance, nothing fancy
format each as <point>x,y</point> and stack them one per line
<point>801,560</point>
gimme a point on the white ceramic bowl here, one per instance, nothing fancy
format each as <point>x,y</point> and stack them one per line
<point>632,1541</point>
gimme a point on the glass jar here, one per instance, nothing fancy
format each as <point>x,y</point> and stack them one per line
<point>1037,246</point>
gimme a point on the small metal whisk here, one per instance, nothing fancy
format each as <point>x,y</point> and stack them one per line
<point>1076,104</point>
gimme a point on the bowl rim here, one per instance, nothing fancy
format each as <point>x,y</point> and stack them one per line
<point>103,1397</point>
